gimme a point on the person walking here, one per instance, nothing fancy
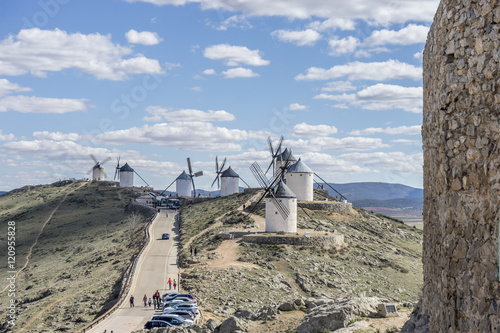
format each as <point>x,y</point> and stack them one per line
<point>145,300</point>
<point>149,302</point>
<point>175,284</point>
<point>132,301</point>
<point>155,302</point>
<point>195,251</point>
<point>170,283</point>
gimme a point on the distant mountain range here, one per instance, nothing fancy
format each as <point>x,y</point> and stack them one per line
<point>371,190</point>
<point>3,192</point>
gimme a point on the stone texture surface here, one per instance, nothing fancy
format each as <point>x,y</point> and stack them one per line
<point>461,136</point>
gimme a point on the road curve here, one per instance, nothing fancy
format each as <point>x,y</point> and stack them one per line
<point>157,264</point>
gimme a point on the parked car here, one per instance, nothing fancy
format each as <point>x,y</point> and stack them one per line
<point>165,235</point>
<point>181,299</point>
<point>170,297</point>
<point>156,323</point>
<point>170,294</point>
<point>172,303</point>
<point>183,313</point>
<point>184,306</point>
<point>173,319</point>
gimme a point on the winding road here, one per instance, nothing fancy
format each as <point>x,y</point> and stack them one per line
<point>156,265</point>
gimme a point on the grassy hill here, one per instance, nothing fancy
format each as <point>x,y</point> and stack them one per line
<point>382,257</point>
<point>74,242</point>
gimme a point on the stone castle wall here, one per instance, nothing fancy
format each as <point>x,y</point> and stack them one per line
<point>461,140</point>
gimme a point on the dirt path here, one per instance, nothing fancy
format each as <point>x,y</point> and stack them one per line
<point>28,256</point>
<point>228,256</point>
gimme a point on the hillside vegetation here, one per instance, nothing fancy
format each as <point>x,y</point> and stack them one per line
<point>77,256</point>
<point>381,258</point>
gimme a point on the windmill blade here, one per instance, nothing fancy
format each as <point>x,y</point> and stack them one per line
<point>189,167</point>
<point>194,188</point>
<point>168,187</point>
<point>94,159</point>
<point>107,159</point>
<point>258,201</point>
<point>284,211</point>
<point>198,174</point>
<point>141,178</point>
<point>216,180</point>
<point>324,181</point>
<point>117,169</point>
<point>245,182</point>
<point>259,175</point>
<point>273,154</point>
<point>278,149</point>
<point>216,165</point>
<point>223,164</point>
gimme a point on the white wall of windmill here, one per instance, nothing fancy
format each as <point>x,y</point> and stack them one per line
<point>275,221</point>
<point>301,183</point>
<point>126,178</point>
<point>229,185</point>
<point>98,174</point>
<point>183,187</point>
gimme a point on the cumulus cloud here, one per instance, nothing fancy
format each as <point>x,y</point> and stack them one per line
<point>377,12</point>
<point>333,23</point>
<point>375,71</point>
<point>159,113</point>
<point>392,162</point>
<point>57,136</point>
<point>7,87</point>
<point>143,37</point>
<point>209,71</point>
<point>304,129</point>
<point>412,34</point>
<point>235,21</point>
<point>183,135</point>
<point>335,144</point>
<point>239,72</point>
<point>301,38</point>
<point>235,55</point>
<point>343,46</point>
<point>296,107</point>
<point>382,97</point>
<point>339,86</point>
<point>39,51</point>
<point>6,137</point>
<point>406,130</point>
<point>32,104</point>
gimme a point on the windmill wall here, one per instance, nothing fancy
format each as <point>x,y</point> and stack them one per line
<point>461,141</point>
<point>126,179</point>
<point>183,187</point>
<point>275,222</point>
<point>229,185</point>
<point>98,174</point>
<point>301,184</point>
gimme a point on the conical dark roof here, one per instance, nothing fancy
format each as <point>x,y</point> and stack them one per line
<point>299,167</point>
<point>286,155</point>
<point>126,168</point>
<point>229,173</point>
<point>282,191</point>
<point>184,176</point>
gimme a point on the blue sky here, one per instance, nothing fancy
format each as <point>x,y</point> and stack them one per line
<point>156,81</point>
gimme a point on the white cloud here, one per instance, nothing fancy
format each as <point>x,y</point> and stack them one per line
<point>143,37</point>
<point>393,162</point>
<point>6,137</point>
<point>376,71</point>
<point>296,107</point>
<point>333,23</point>
<point>38,51</point>
<point>343,46</point>
<point>412,34</point>
<point>335,144</point>
<point>339,86</point>
<point>235,55</point>
<point>383,97</point>
<point>419,55</point>
<point>301,38</point>
<point>406,130</point>
<point>32,104</point>
<point>304,129</point>
<point>183,135</point>
<point>408,142</point>
<point>376,12</point>
<point>209,72</point>
<point>7,87</point>
<point>235,21</point>
<point>239,72</point>
<point>160,113</point>
<point>56,136</point>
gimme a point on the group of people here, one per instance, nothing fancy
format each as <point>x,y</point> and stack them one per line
<point>156,300</point>
<point>170,284</point>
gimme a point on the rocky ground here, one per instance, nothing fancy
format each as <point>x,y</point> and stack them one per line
<point>275,288</point>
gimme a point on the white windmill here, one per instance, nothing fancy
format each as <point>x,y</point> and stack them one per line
<point>184,183</point>
<point>281,202</point>
<point>97,170</point>
<point>300,179</point>
<point>280,160</point>
<point>229,179</point>
<point>125,174</point>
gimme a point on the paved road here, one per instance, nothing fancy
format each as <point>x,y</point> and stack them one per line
<point>157,264</point>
